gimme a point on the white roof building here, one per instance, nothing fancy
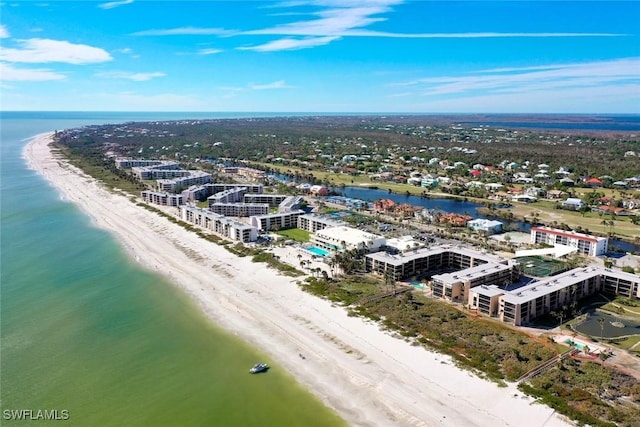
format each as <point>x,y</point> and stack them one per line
<point>345,238</point>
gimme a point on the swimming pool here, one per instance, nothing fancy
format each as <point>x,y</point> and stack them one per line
<point>318,251</point>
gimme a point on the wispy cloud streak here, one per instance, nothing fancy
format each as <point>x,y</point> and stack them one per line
<point>47,50</point>
<point>525,79</point>
<point>114,4</point>
<point>136,77</point>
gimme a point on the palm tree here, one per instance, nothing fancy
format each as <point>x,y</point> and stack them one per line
<point>601,322</point>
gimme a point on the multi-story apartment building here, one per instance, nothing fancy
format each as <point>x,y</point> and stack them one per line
<point>457,286</point>
<point>273,200</point>
<point>427,261</point>
<point>539,298</point>
<point>162,198</point>
<point>276,221</point>
<point>314,222</point>
<point>217,187</point>
<point>219,224</point>
<point>232,195</point>
<point>239,209</point>
<point>584,243</point>
<point>195,177</point>
<point>126,163</point>
<point>343,238</point>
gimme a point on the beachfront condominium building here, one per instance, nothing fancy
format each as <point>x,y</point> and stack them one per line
<point>276,221</point>
<point>195,177</point>
<point>583,243</point>
<point>457,286</point>
<point>127,163</point>
<point>162,198</point>
<point>343,238</point>
<point>427,261</point>
<point>239,209</point>
<point>219,224</point>
<point>524,304</point>
<point>273,200</point>
<point>232,195</point>
<point>156,173</point>
<point>315,222</point>
<point>217,187</point>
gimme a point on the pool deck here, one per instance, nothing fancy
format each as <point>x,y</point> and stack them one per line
<point>594,348</point>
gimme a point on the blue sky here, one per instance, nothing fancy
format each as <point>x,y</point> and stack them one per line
<point>321,56</point>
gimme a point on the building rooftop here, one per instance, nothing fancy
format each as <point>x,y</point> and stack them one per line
<point>397,260</point>
<point>471,273</point>
<point>351,236</point>
<point>488,291</point>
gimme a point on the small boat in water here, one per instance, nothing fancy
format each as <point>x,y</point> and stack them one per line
<point>258,368</point>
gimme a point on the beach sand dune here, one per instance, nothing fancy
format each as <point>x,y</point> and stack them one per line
<point>368,376</point>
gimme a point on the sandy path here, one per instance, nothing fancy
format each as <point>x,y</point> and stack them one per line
<point>369,377</point>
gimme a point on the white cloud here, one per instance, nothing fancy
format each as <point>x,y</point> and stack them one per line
<point>11,73</point>
<point>113,4</point>
<point>209,51</point>
<point>46,50</point>
<point>601,99</point>
<point>343,18</point>
<point>529,79</point>
<point>290,44</point>
<point>136,77</point>
<point>4,33</point>
<point>184,31</point>
<point>280,84</point>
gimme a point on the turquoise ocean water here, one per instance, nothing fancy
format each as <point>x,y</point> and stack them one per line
<point>85,330</point>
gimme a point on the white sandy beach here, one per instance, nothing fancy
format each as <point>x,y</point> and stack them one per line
<point>367,376</point>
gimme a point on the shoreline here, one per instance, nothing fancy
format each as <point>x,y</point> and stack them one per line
<point>367,376</point>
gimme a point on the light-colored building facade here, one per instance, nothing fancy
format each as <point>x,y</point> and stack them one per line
<point>127,163</point>
<point>457,286</point>
<point>195,177</point>
<point>314,222</point>
<point>219,224</point>
<point>291,203</point>
<point>427,261</point>
<point>276,221</point>
<point>232,195</point>
<point>584,243</point>
<point>217,187</point>
<point>487,226</point>
<point>342,238</point>
<point>239,209</point>
<point>540,298</point>
<point>162,198</point>
<point>273,200</point>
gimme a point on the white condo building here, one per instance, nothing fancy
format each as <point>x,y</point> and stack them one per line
<point>219,224</point>
<point>344,238</point>
<point>584,243</point>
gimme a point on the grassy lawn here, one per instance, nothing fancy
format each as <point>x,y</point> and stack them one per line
<point>627,343</point>
<point>296,234</point>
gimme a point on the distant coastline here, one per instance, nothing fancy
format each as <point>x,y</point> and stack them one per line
<point>567,122</point>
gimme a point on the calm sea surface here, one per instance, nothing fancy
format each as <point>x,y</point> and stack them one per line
<point>86,330</point>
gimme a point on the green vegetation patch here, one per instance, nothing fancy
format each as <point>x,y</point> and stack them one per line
<point>297,234</point>
<point>588,393</point>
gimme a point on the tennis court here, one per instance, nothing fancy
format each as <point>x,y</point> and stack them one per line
<point>539,267</point>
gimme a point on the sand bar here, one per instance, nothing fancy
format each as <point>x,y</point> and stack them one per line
<point>367,376</point>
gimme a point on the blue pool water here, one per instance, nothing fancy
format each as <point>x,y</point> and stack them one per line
<point>318,251</point>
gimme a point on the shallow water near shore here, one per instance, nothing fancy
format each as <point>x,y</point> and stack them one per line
<point>84,329</point>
